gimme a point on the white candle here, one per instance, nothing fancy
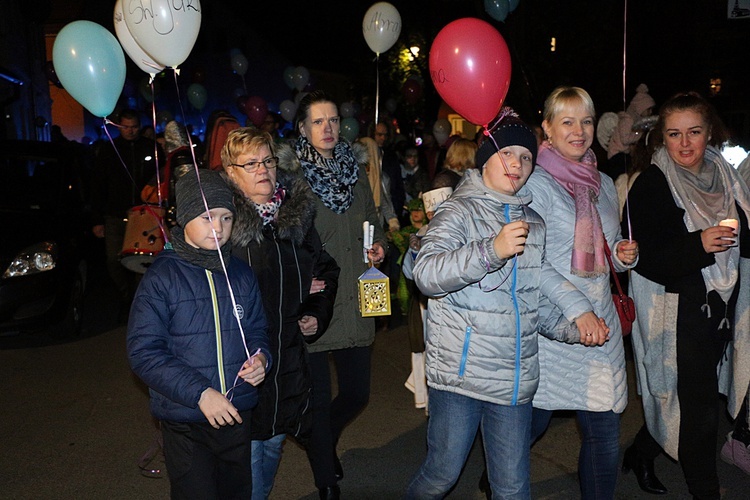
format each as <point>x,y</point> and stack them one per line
<point>733,223</point>
<point>365,243</point>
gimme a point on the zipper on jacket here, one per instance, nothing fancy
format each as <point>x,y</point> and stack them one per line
<point>277,360</point>
<point>299,272</point>
<point>217,327</point>
<point>464,352</point>
<point>517,374</point>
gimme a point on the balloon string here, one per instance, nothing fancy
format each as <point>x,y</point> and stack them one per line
<point>377,88</point>
<point>211,221</point>
<point>111,141</point>
<point>624,100</point>
<point>505,166</point>
<point>156,144</point>
<point>624,54</point>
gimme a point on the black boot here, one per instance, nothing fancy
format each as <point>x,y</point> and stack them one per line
<point>330,493</point>
<point>643,468</point>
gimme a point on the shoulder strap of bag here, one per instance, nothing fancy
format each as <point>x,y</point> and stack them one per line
<point>608,253</point>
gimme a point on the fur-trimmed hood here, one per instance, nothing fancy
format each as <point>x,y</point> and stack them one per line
<point>295,216</point>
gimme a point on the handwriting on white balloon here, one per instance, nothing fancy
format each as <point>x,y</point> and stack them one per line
<point>160,12</point>
<point>378,23</point>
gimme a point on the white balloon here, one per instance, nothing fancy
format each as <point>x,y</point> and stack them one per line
<point>287,109</point>
<point>134,51</point>
<point>301,77</point>
<point>381,27</point>
<point>165,29</point>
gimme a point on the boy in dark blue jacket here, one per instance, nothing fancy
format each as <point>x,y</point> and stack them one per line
<point>201,346</point>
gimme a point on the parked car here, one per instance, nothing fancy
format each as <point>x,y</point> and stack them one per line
<point>43,203</point>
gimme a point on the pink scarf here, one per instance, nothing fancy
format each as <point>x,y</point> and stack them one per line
<point>582,181</point>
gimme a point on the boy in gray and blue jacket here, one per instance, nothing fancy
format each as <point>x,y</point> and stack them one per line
<point>483,266</point>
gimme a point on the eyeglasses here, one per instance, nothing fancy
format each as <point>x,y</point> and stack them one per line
<point>252,166</point>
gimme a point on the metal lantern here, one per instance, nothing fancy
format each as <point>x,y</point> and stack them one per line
<point>374,294</point>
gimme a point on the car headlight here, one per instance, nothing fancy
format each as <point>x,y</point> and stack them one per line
<point>32,260</point>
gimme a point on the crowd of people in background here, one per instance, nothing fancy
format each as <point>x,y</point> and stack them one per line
<point>488,241</point>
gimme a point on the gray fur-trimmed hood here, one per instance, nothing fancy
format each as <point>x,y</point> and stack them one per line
<point>295,216</point>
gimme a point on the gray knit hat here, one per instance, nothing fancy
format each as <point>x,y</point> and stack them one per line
<point>189,202</point>
<point>508,130</point>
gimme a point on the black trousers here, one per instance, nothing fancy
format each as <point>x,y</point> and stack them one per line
<point>699,350</point>
<point>207,463</point>
<point>331,416</point>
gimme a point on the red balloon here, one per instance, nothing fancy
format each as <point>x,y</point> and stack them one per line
<point>411,90</point>
<point>256,110</point>
<point>470,68</point>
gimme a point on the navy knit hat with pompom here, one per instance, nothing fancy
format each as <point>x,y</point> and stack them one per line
<point>508,130</point>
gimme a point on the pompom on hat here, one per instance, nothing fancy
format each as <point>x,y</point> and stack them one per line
<point>508,130</point>
<point>189,201</point>
<point>641,100</point>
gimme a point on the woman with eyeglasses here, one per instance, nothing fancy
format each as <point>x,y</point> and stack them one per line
<point>336,173</point>
<point>274,233</point>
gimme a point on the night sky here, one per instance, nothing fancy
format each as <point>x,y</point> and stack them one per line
<point>672,45</point>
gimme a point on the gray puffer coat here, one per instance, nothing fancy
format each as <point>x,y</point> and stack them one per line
<point>576,377</point>
<point>482,321</point>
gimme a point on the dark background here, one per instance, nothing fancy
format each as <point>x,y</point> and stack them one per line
<point>672,45</point>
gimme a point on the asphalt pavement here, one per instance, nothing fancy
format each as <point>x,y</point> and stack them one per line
<point>74,423</point>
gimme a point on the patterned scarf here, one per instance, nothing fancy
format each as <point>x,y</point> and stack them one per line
<point>267,210</point>
<point>582,181</point>
<point>331,179</point>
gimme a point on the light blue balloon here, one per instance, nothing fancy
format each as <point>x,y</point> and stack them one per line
<point>497,9</point>
<point>513,4</point>
<point>90,63</point>
<point>350,129</point>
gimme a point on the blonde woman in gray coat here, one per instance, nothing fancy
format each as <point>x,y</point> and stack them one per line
<point>580,207</point>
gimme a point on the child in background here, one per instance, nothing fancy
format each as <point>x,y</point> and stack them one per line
<point>483,267</point>
<point>185,342</point>
<point>416,382</point>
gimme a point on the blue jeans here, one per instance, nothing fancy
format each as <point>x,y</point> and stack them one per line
<point>600,450</point>
<point>454,421</point>
<point>266,457</point>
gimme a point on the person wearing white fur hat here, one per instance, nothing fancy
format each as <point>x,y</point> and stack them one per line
<point>627,132</point>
